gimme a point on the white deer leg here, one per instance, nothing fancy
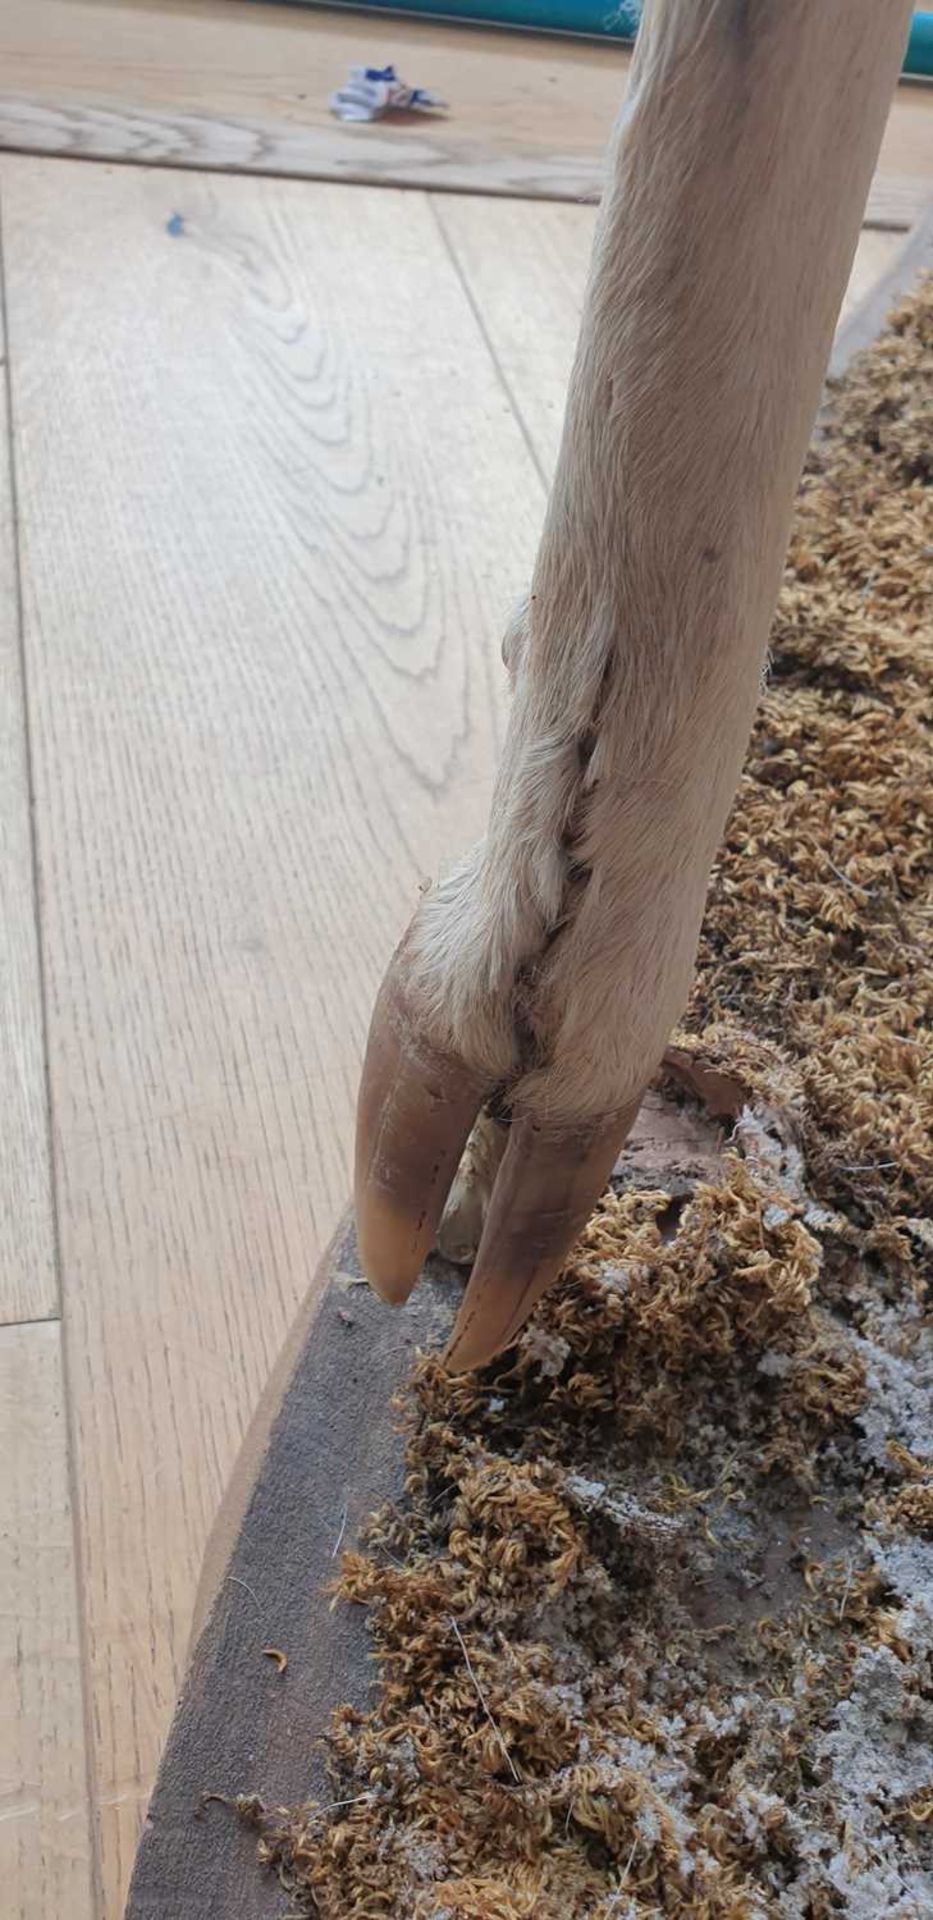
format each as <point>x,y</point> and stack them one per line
<point>550,969</point>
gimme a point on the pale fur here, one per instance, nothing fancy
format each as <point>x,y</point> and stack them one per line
<point>556,959</point>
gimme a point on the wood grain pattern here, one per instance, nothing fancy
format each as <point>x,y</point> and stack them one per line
<point>525,267</point>
<point>143,135</point>
<point>44,1844</point>
<point>28,1286</point>
<point>278,64</point>
<point>220,83</point>
<point>377,155</point>
<point>274,506</point>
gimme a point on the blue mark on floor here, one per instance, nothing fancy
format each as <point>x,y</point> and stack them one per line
<point>175,225</point>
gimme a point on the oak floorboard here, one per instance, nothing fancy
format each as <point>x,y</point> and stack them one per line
<point>44,1834</point>
<point>274,509</point>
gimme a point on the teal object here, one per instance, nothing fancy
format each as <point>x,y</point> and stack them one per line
<point>919,56</point>
<point>594,18</point>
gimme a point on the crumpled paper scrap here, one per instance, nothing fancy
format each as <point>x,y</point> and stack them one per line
<point>372,92</point>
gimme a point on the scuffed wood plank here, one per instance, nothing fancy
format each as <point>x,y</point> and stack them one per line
<point>44,1844</point>
<point>426,157</point>
<point>374,155</point>
<point>217,83</point>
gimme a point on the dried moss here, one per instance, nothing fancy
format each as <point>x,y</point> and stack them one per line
<point>654,1625</point>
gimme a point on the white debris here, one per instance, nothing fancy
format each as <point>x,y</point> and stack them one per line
<point>624,1511</point>
<point>616,1279</point>
<point>775,1366</point>
<point>547,1351</point>
<point>899,1400</point>
<point>762,1135</point>
<point>775,1216</point>
<point>372,92</point>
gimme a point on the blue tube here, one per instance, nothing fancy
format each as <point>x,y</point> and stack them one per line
<point>600,19</point>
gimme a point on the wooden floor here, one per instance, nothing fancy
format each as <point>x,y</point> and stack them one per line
<point>274,457</point>
<point>233,84</point>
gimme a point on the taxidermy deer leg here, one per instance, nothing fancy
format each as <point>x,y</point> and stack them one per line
<point>545,975</point>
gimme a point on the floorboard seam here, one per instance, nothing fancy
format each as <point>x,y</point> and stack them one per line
<point>90,1771</point>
